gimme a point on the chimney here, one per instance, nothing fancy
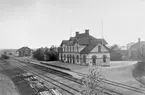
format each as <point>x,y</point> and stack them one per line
<point>138,40</point>
<point>77,33</point>
<point>87,31</point>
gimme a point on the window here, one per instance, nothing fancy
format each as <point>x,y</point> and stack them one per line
<point>64,49</point>
<point>99,48</point>
<point>70,49</point>
<point>94,59</point>
<point>77,58</point>
<point>67,49</point>
<point>61,57</point>
<point>77,48</point>
<point>64,57</point>
<point>73,48</point>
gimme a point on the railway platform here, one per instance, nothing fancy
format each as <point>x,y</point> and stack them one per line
<point>73,67</point>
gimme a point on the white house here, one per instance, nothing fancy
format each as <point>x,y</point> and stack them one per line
<point>85,49</point>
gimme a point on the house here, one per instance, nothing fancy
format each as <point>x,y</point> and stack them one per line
<point>24,52</point>
<point>135,49</point>
<point>84,49</point>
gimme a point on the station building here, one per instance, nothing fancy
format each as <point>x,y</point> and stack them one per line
<point>84,49</point>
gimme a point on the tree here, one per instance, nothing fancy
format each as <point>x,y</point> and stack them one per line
<point>39,54</point>
<point>46,54</point>
<point>115,53</point>
<point>141,53</point>
<point>92,83</point>
<point>51,55</point>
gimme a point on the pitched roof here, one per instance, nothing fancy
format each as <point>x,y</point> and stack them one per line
<point>22,48</point>
<point>71,38</point>
<point>88,48</point>
<point>99,40</point>
<point>85,39</point>
<point>64,42</point>
<point>136,45</point>
<point>82,35</point>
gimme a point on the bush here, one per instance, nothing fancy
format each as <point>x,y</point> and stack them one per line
<point>141,66</point>
<point>3,56</point>
<point>92,83</point>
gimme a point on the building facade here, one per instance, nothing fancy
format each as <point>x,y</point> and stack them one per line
<point>24,52</point>
<point>84,49</point>
<point>137,50</point>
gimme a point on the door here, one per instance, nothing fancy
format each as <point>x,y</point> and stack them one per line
<point>104,58</point>
<point>94,60</point>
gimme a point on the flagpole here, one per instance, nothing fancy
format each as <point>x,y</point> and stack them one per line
<point>102,29</point>
<point>102,41</point>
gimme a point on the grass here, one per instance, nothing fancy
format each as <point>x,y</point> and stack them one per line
<point>122,74</point>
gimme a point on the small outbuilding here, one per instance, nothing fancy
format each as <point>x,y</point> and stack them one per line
<point>24,52</point>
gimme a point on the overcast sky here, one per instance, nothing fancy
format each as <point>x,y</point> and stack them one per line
<point>40,23</point>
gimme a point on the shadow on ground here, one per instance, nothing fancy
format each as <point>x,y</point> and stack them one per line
<point>138,72</point>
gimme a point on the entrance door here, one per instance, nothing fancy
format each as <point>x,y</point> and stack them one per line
<point>84,59</point>
<point>94,60</point>
<point>73,59</point>
<point>104,58</point>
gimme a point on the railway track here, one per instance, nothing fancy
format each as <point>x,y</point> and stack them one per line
<point>64,87</point>
<point>135,89</point>
<point>75,80</point>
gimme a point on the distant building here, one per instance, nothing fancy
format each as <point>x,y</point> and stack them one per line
<point>84,49</point>
<point>24,51</point>
<point>134,49</point>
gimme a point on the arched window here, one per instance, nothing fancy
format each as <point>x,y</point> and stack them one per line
<point>64,57</point>
<point>67,48</point>
<point>77,48</point>
<point>61,57</point>
<point>77,58</point>
<point>94,59</point>
<point>104,58</point>
<point>70,48</point>
<point>73,59</point>
<point>67,58</point>
<point>64,49</point>
<point>84,59</point>
<point>70,58</point>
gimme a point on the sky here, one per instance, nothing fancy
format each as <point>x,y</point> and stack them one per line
<point>42,23</point>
